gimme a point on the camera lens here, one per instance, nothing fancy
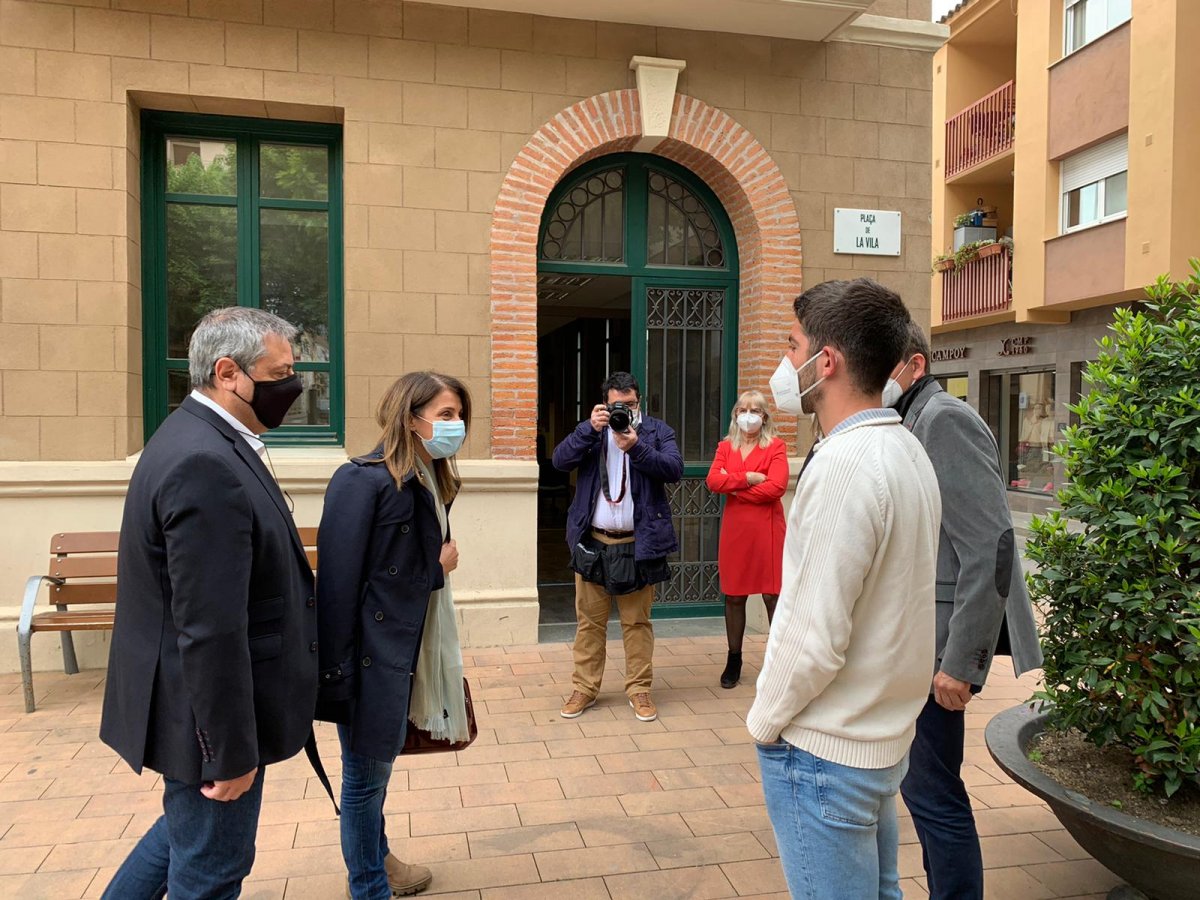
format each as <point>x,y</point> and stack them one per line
<point>618,417</point>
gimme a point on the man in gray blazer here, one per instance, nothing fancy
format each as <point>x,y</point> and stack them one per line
<point>982,608</point>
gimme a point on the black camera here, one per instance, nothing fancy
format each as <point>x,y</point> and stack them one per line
<point>620,417</point>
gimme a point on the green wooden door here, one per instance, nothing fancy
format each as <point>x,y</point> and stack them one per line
<point>653,221</point>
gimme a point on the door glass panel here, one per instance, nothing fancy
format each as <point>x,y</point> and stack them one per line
<point>201,268</point>
<point>294,275</point>
<point>201,166</point>
<point>293,172</point>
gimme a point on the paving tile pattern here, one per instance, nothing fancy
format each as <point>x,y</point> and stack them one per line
<point>599,808</point>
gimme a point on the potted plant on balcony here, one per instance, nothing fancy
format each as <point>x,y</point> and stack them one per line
<point>970,252</point>
<point>1118,581</point>
<point>977,225</point>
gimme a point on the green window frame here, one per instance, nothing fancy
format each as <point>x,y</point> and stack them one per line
<point>246,205</point>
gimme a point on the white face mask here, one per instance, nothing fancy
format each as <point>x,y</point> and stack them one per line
<point>785,386</point>
<point>893,391</point>
<point>750,422</point>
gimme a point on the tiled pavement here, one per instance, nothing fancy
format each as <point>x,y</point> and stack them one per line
<point>600,807</point>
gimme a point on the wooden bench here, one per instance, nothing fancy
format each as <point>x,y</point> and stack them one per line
<point>82,572</point>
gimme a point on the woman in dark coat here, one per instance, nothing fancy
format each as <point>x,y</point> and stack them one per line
<point>387,638</point>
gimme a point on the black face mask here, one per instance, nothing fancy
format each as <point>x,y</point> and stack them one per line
<point>273,399</point>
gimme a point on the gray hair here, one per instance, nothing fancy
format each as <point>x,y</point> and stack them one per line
<point>238,332</point>
<point>917,342</point>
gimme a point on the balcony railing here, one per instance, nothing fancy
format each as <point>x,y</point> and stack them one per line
<point>979,287</point>
<point>982,130</point>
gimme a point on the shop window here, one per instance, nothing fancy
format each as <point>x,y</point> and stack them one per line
<point>1095,185</point>
<point>954,385</point>
<point>1087,20</point>
<point>1032,433</point>
<point>1020,409</point>
<point>243,212</point>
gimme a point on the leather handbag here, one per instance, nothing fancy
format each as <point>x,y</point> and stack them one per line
<point>418,740</point>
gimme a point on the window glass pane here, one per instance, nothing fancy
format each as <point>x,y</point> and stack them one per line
<point>1116,194</point>
<point>613,207</point>
<point>674,235</point>
<point>1083,205</point>
<point>178,387</point>
<point>954,385</point>
<point>201,268</point>
<point>294,275</point>
<point>1032,433</point>
<point>1096,20</point>
<point>291,172</point>
<point>656,237</point>
<point>201,166</point>
<point>311,407</point>
<point>1119,11</point>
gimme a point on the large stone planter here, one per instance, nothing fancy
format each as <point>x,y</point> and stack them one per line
<point>1162,863</point>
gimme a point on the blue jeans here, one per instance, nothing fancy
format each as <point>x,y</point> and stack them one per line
<point>835,825</point>
<point>935,794</point>
<point>364,843</point>
<point>199,849</point>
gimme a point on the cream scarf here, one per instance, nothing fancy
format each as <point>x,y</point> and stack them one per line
<point>437,704</point>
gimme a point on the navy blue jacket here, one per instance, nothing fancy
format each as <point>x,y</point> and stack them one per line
<point>377,563</point>
<point>654,461</point>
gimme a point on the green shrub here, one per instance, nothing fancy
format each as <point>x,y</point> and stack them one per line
<point>1118,575</point>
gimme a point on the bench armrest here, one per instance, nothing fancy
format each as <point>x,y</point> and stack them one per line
<point>32,586</point>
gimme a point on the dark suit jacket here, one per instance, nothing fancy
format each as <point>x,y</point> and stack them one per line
<point>213,665</point>
<point>378,550</point>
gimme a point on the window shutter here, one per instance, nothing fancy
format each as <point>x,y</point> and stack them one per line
<point>1095,163</point>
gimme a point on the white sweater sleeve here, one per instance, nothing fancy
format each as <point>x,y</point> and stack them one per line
<point>835,529</point>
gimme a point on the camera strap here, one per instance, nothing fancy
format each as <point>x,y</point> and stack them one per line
<point>604,474</point>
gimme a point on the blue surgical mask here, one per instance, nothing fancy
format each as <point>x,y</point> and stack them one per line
<point>447,437</point>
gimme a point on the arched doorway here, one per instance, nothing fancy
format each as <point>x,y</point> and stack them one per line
<point>638,271</point>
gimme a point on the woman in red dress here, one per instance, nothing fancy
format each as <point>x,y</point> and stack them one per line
<point>751,470</point>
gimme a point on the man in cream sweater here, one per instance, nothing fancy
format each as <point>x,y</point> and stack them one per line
<point>848,661</point>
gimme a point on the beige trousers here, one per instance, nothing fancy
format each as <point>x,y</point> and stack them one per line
<point>592,607</point>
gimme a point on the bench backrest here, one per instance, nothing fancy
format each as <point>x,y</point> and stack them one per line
<point>83,565</point>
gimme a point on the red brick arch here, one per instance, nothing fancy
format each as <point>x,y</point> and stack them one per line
<point>718,150</point>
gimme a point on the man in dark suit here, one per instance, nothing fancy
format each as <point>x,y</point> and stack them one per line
<point>212,673</point>
<point>981,603</point>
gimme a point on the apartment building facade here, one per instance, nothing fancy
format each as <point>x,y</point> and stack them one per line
<point>517,192</point>
<point>1068,128</point>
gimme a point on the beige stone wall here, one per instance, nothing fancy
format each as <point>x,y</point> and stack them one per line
<point>436,102</point>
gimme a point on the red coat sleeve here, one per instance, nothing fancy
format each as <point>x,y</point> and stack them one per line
<point>777,477</point>
<point>724,484</point>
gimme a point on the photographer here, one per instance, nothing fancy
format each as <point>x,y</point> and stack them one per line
<point>620,532</point>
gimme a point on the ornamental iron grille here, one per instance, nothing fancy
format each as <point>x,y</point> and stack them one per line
<point>684,336</point>
<point>694,576</point>
<point>588,222</point>
<point>680,231</point>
